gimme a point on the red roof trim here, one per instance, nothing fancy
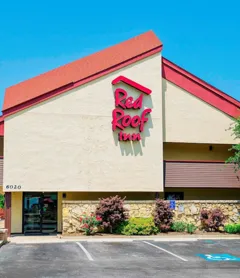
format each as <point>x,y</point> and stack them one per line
<point>1,126</point>
<point>73,85</point>
<point>200,89</point>
<point>131,83</point>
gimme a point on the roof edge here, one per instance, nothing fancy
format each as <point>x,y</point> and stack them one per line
<point>80,69</point>
<point>200,88</point>
<point>72,85</point>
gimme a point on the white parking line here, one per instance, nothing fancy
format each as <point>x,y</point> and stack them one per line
<point>185,260</point>
<point>174,239</point>
<point>85,251</point>
<point>106,240</point>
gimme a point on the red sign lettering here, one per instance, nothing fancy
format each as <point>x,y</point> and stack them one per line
<point>122,100</point>
<point>121,120</point>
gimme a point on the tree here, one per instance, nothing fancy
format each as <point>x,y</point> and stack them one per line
<point>235,158</point>
<point>1,201</point>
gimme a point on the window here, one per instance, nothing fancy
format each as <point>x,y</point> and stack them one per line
<point>174,196</point>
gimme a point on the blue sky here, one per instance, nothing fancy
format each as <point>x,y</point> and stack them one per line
<point>201,36</point>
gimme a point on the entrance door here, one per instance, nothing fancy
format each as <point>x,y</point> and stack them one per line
<point>40,212</point>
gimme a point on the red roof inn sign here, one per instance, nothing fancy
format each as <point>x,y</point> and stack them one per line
<point>120,118</point>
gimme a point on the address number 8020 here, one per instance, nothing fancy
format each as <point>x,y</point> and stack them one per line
<point>13,186</point>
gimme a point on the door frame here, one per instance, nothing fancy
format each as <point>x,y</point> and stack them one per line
<point>41,195</point>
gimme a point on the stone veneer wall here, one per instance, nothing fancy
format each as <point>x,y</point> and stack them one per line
<point>187,211</point>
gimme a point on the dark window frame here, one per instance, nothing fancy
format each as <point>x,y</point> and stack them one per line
<point>179,195</point>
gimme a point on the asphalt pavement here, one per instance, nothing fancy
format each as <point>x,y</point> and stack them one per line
<point>201,258</point>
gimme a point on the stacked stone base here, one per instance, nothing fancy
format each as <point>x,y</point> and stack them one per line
<point>3,235</point>
<point>187,211</point>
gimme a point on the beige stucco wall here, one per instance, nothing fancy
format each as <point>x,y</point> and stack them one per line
<point>191,120</point>
<point>67,143</point>
<point>16,212</point>
<point>188,151</point>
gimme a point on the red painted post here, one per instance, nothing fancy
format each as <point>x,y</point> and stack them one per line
<point>8,212</point>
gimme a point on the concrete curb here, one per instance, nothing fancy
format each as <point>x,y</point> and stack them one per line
<point>142,238</point>
<point>152,237</point>
<point>62,239</point>
<point>3,242</point>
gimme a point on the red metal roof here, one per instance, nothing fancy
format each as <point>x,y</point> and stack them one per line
<point>74,74</point>
<point>80,69</point>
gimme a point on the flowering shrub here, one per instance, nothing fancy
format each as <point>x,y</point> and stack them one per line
<point>2,214</point>
<point>112,212</point>
<point>212,220</point>
<point>163,216</point>
<point>89,224</point>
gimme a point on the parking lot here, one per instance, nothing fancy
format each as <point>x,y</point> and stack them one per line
<point>200,258</point>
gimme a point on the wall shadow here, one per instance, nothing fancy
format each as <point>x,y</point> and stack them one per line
<point>128,147</point>
<point>147,128</point>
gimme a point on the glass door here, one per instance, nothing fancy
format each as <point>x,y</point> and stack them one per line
<point>32,212</point>
<point>40,213</point>
<point>49,213</point>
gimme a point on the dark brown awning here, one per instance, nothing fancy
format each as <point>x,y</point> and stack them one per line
<point>192,174</point>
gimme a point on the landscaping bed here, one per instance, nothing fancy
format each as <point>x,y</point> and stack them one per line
<point>111,218</point>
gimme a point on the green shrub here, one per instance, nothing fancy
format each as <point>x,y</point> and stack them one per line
<point>179,226</point>
<point>232,228</point>
<point>119,229</point>
<point>1,201</point>
<point>191,228</point>
<point>139,226</point>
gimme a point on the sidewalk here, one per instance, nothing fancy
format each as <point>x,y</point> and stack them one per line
<point>21,239</point>
<point>2,243</point>
<point>3,237</point>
